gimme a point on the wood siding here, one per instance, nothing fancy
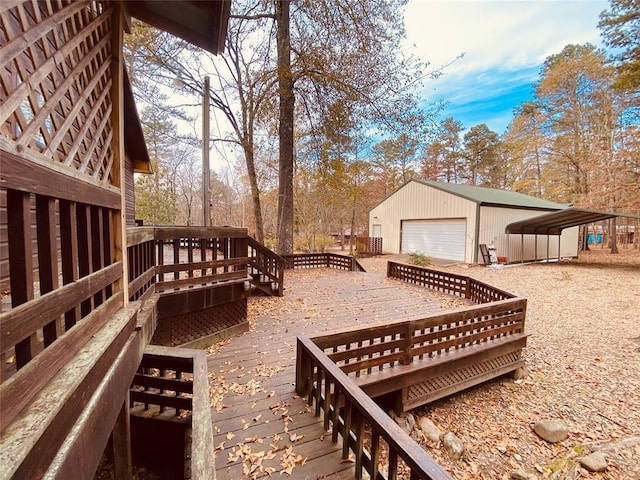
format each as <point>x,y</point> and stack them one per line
<point>63,324</point>
<point>130,195</point>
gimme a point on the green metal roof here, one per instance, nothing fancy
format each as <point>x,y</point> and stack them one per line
<point>492,196</point>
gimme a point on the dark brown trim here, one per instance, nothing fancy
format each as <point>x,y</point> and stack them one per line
<point>27,176</point>
<point>18,323</point>
<point>91,410</point>
<point>18,391</point>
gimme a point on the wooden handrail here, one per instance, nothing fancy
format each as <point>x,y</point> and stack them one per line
<point>403,341</point>
<point>324,362</point>
<point>323,260</point>
<point>138,235</point>
<point>264,262</point>
<point>358,408</point>
<point>171,233</point>
<point>446,282</point>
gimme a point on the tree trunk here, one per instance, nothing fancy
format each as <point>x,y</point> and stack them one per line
<point>584,238</point>
<point>255,192</point>
<point>285,167</point>
<point>352,237</point>
<point>614,236</point>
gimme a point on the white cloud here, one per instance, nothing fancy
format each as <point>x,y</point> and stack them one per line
<point>498,34</point>
<point>505,43</point>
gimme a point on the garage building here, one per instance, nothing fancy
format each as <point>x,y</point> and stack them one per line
<point>450,221</point>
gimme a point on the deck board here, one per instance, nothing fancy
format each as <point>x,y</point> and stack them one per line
<point>252,377</point>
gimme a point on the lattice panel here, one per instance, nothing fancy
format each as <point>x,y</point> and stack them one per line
<point>460,375</point>
<point>191,326</point>
<point>55,81</point>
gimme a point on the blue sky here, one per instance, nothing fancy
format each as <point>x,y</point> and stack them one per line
<point>504,43</point>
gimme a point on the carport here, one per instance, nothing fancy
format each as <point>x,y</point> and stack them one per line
<point>553,223</point>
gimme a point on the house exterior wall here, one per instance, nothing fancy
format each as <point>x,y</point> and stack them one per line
<point>493,221</point>
<point>130,195</point>
<point>416,201</point>
<point>61,154</point>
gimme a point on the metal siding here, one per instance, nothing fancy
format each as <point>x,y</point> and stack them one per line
<point>416,201</point>
<point>493,221</point>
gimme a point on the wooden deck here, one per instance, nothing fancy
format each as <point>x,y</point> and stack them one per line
<point>260,424</point>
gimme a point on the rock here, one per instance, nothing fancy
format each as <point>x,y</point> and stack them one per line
<point>406,421</point>
<point>519,474</point>
<point>596,462</point>
<point>551,430</point>
<point>431,432</point>
<point>453,445</point>
<point>417,435</point>
<point>520,373</point>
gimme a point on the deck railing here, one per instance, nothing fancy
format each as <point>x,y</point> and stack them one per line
<point>328,367</point>
<point>322,260</point>
<point>200,256</point>
<point>449,283</point>
<point>172,383</point>
<point>365,350</point>
<point>141,250</point>
<point>351,414</point>
<point>169,259</point>
<point>265,266</point>
<point>65,284</point>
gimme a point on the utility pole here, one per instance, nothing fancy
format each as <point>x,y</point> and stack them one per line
<point>206,180</point>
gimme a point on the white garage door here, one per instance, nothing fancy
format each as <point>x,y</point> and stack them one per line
<point>436,238</point>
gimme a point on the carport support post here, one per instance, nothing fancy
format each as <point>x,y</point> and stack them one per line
<point>547,247</point>
<point>535,253</point>
<point>522,248</point>
<point>559,238</point>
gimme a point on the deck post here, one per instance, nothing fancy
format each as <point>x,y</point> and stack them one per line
<point>122,443</point>
<point>302,367</point>
<point>408,335</point>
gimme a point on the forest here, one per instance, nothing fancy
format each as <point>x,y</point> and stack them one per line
<point>318,117</point>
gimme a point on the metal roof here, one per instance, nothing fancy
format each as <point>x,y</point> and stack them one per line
<point>492,196</point>
<point>553,223</point>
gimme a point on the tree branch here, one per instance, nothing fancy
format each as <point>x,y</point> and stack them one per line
<point>254,17</point>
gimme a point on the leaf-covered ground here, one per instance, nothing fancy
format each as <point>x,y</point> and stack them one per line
<point>583,354</point>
